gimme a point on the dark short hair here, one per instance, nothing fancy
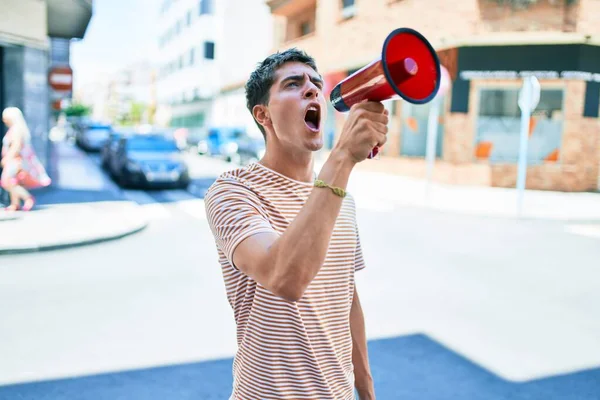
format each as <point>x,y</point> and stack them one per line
<point>261,79</point>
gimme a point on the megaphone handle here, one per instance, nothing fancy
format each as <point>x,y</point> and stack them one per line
<point>374,153</point>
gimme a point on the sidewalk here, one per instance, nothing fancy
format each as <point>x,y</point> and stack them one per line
<point>481,201</point>
<point>81,207</point>
<point>385,191</point>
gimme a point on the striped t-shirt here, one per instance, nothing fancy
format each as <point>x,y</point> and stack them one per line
<point>286,350</point>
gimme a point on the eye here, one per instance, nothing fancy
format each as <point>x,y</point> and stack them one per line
<point>292,84</point>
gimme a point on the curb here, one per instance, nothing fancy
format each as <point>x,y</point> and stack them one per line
<point>62,246</point>
<point>11,218</point>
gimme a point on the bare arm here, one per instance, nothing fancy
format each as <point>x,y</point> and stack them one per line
<point>14,149</point>
<point>287,264</point>
<point>363,381</point>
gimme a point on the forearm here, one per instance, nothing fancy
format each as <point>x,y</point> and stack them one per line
<point>300,251</point>
<point>360,358</point>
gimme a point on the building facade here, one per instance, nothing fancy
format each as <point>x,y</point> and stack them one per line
<point>205,59</point>
<point>238,58</point>
<point>488,46</point>
<point>120,96</point>
<point>189,37</point>
<point>34,39</point>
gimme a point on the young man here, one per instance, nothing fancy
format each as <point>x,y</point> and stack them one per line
<point>289,245</point>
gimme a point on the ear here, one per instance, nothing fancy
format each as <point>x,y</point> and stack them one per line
<point>260,113</point>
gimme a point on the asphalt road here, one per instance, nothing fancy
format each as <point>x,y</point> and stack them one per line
<point>518,299</point>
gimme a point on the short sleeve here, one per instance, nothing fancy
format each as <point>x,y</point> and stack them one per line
<point>234,213</point>
<point>359,261</point>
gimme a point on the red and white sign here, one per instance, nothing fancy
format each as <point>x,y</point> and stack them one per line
<point>61,79</point>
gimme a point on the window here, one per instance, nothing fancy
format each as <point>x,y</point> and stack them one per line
<point>189,18</point>
<point>178,27</point>
<point>206,7</point>
<point>301,24</point>
<point>305,28</point>
<point>192,56</point>
<point>180,62</point>
<point>499,126</point>
<point>348,8</point>
<point>209,50</point>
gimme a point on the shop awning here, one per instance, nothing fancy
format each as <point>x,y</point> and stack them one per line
<point>68,19</point>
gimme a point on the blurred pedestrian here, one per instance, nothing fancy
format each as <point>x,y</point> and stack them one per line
<point>21,168</point>
<point>289,245</point>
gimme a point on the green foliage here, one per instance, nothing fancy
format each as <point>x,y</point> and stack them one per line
<point>134,116</point>
<point>78,110</point>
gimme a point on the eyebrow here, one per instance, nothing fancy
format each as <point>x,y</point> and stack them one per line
<point>314,79</point>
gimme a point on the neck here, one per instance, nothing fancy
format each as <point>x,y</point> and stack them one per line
<point>299,167</point>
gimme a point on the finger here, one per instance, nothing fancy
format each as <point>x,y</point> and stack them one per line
<point>379,128</point>
<point>381,139</point>
<point>376,117</point>
<point>373,106</point>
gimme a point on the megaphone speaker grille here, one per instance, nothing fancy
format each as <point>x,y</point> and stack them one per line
<point>411,66</point>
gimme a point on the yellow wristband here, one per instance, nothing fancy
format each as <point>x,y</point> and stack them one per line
<point>338,191</point>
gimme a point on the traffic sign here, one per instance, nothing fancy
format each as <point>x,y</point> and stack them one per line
<point>61,79</point>
<point>529,96</point>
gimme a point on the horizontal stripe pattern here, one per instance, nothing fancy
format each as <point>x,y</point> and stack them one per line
<point>286,350</point>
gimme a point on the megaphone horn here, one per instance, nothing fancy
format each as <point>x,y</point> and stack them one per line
<point>408,68</point>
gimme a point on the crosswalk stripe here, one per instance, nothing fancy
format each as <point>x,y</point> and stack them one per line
<point>187,203</point>
<point>151,209</point>
<point>584,230</point>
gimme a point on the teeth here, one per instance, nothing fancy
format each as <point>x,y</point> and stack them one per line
<point>312,108</point>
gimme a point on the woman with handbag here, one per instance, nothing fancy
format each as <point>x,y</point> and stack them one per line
<point>21,169</point>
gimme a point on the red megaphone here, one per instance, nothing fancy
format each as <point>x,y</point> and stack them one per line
<point>408,68</point>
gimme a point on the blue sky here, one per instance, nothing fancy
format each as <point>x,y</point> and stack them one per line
<point>120,33</point>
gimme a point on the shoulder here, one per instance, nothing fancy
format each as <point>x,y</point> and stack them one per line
<point>236,182</point>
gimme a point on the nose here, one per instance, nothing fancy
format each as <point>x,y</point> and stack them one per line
<point>312,91</point>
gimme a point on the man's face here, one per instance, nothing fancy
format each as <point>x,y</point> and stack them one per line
<point>297,108</point>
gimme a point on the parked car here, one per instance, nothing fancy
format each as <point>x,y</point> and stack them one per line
<point>221,142</point>
<point>92,137</point>
<point>149,160</point>
<point>250,149</point>
<point>110,147</point>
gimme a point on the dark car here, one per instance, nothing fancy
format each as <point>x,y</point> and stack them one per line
<point>149,161</point>
<point>110,148</point>
<point>92,137</point>
<point>250,149</point>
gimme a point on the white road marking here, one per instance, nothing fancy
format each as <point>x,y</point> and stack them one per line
<point>584,230</point>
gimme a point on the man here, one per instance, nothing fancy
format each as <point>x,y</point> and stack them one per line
<point>289,245</point>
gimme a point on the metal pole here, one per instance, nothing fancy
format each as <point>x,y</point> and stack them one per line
<point>432,131</point>
<point>524,141</point>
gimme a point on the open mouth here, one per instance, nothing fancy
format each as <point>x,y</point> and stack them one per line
<point>312,118</point>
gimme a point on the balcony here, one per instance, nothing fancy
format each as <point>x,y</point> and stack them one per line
<point>529,15</point>
<point>287,8</point>
<point>295,19</point>
<point>69,19</point>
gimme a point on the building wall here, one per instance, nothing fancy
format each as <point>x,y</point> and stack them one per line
<point>24,22</point>
<point>341,45</point>
<point>350,43</point>
<point>589,17</point>
<point>197,79</point>
<point>238,55</point>
<point>25,86</point>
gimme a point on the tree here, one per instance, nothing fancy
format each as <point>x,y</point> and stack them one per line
<point>78,110</point>
<point>134,115</point>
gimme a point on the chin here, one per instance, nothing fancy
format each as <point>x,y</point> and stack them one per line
<point>316,144</point>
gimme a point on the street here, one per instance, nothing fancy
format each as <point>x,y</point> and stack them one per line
<point>511,302</point>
